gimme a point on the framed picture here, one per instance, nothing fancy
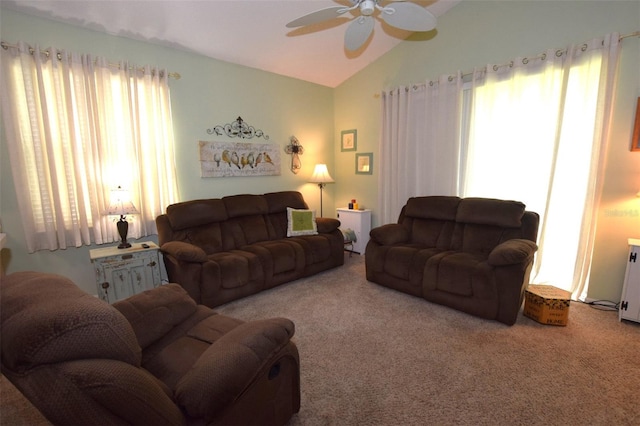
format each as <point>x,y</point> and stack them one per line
<point>635,140</point>
<point>349,140</point>
<point>364,163</point>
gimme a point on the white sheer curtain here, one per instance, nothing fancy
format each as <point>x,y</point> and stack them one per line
<point>420,144</point>
<point>538,134</point>
<point>76,129</point>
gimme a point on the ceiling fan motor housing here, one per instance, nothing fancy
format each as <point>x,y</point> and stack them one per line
<point>367,7</point>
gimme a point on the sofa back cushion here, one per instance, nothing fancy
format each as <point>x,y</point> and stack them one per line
<point>483,223</point>
<point>152,314</point>
<point>430,220</point>
<point>191,214</point>
<point>47,319</point>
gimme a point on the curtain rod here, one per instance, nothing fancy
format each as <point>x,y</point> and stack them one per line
<point>633,34</point>
<point>6,46</point>
<point>470,73</point>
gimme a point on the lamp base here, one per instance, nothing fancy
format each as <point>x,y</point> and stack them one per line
<point>123,229</point>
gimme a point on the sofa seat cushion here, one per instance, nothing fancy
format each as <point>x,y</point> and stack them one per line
<point>277,257</point>
<point>238,268</point>
<point>407,261</point>
<point>459,273</point>
<point>171,362</point>
<point>317,248</point>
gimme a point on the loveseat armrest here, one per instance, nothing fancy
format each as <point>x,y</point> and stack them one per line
<point>390,234</point>
<point>184,251</point>
<point>230,365</point>
<point>512,252</point>
<point>327,225</point>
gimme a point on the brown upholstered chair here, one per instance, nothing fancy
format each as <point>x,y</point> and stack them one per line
<point>156,358</point>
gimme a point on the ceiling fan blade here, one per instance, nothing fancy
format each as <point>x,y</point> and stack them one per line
<point>317,16</point>
<point>408,16</point>
<point>358,32</point>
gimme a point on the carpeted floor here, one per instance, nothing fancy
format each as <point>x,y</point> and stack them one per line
<point>374,356</point>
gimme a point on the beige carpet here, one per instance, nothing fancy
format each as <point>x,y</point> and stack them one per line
<point>373,356</point>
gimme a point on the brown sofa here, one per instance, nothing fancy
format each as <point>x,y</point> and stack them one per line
<point>223,249</point>
<point>471,254</point>
<point>156,358</point>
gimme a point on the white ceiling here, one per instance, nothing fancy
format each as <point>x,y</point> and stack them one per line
<point>245,32</point>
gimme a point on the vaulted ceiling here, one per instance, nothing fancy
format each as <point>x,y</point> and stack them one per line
<point>245,32</point>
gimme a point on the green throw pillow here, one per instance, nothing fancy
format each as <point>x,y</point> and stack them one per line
<point>301,222</point>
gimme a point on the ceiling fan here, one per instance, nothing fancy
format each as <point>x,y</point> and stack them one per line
<point>400,14</point>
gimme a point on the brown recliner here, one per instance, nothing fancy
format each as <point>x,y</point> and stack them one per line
<point>155,358</point>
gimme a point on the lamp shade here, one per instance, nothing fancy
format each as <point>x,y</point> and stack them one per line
<point>321,174</point>
<point>120,203</point>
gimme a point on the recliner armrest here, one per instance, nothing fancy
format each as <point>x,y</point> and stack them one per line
<point>230,364</point>
<point>512,252</point>
<point>327,225</point>
<point>184,251</point>
<point>390,234</point>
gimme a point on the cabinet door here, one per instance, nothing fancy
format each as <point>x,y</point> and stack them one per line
<point>630,303</point>
<point>124,276</point>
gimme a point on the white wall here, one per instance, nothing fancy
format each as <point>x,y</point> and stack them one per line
<point>474,33</point>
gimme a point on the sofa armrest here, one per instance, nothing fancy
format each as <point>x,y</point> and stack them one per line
<point>512,252</point>
<point>184,251</point>
<point>327,225</point>
<point>390,234</point>
<point>230,364</point>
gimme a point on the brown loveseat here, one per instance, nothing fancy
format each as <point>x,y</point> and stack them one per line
<point>471,254</point>
<point>153,359</point>
<point>223,249</point>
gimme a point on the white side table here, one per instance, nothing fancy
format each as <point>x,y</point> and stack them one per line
<point>630,299</point>
<point>121,273</point>
<point>360,222</point>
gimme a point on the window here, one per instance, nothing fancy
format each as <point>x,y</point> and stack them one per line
<point>77,128</point>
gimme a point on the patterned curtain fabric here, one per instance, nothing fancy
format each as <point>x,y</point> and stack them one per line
<point>77,128</point>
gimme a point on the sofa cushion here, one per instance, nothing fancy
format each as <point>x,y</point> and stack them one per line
<point>47,319</point>
<point>433,207</point>
<point>238,268</point>
<point>485,211</point>
<point>279,201</point>
<point>301,222</point>
<point>195,213</point>
<point>152,314</point>
<point>245,205</point>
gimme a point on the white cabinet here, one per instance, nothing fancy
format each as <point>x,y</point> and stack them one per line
<point>630,299</point>
<point>121,273</point>
<point>360,222</point>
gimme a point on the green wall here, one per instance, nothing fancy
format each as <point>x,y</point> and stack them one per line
<point>471,34</point>
<point>210,92</point>
<point>474,33</point>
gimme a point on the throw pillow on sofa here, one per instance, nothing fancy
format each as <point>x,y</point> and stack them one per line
<point>301,222</point>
